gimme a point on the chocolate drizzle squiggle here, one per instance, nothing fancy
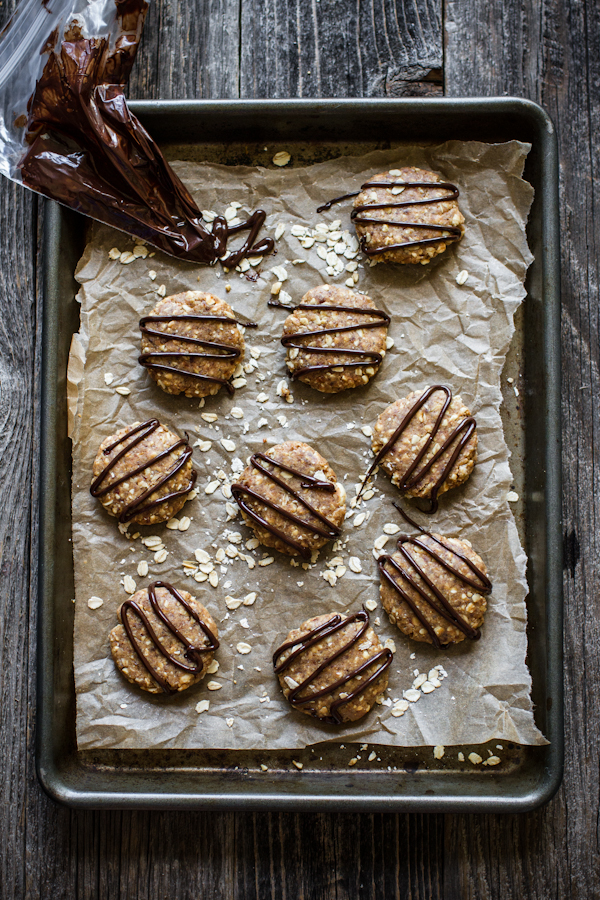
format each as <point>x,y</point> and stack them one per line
<point>138,504</point>
<point>368,357</point>
<point>226,351</point>
<point>412,477</point>
<point>453,233</point>
<point>443,608</point>
<point>336,623</point>
<point>327,529</point>
<point>192,653</point>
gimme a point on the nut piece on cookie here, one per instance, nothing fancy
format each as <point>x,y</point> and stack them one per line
<point>290,498</point>
<point>407,216</point>
<point>426,442</point>
<point>166,640</point>
<point>337,345</point>
<point>433,588</point>
<point>143,473</point>
<point>191,344</point>
<point>333,667</point>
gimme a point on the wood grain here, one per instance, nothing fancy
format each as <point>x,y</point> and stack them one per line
<point>227,48</point>
<point>550,52</point>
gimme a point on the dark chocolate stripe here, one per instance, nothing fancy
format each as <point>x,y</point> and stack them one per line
<point>367,357</point>
<point>453,233</point>
<point>192,653</point>
<point>410,568</point>
<point>226,351</point>
<point>412,477</point>
<point>314,637</point>
<point>329,530</point>
<point>137,505</point>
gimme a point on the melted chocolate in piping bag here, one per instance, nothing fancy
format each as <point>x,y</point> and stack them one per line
<point>89,152</point>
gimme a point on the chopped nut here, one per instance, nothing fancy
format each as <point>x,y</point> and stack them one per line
<point>229,722</point>
<point>371,605</point>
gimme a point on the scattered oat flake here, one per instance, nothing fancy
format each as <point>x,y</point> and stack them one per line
<point>298,765</point>
<point>213,667</point>
<point>461,756</point>
<point>462,277</point>
<point>184,523</point>
<point>213,579</point>
<point>211,487</point>
<point>202,556</point>
<point>161,290</point>
<point>267,561</point>
<point>475,758</point>
<point>281,158</point>
<point>114,253</point>
<point>512,496</point>
<point>95,602</point>
<point>250,598</point>
<point>353,761</point>
<point>142,568</point>
<point>229,722</point>
<point>237,413</point>
<point>129,584</point>
<point>209,417</point>
<point>367,430</point>
<point>214,686</point>
<point>232,602</point>
<point>227,445</point>
<point>151,274</point>
<point>427,687</point>
<point>354,565</point>
<point>389,343</point>
<point>411,695</point>
<point>161,555</point>
<point>108,378</point>
<point>492,761</point>
<point>390,645</point>
<point>264,768</point>
<point>204,446</point>
<point>202,706</point>
<point>359,519</point>
<point>243,648</point>
<point>126,257</point>
<point>438,751</point>
<point>279,230</point>
<point>124,391</point>
<point>173,524</point>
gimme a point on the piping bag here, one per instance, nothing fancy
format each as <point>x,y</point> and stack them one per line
<point>66,131</point>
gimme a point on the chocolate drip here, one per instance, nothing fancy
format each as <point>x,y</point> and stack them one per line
<point>314,637</point>
<point>226,351</point>
<point>454,233</point>
<point>368,357</point>
<point>443,608</point>
<point>330,530</point>
<point>88,151</point>
<point>192,652</point>
<point>412,478</point>
<point>138,505</point>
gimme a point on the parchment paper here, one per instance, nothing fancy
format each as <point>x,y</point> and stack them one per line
<point>443,333</point>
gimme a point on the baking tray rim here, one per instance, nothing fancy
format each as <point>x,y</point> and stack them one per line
<point>74,787</point>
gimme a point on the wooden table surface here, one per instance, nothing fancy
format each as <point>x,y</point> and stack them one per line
<point>547,50</point>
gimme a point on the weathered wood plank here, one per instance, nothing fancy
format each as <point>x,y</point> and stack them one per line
<point>331,48</point>
<point>550,53</point>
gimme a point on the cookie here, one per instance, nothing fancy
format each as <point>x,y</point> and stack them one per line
<point>191,344</point>
<point>426,442</point>
<point>166,640</point>
<point>407,216</point>
<point>335,339</point>
<point>291,499</point>
<point>333,667</point>
<point>433,588</point>
<point>143,473</point>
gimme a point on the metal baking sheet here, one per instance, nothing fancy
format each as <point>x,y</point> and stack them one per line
<point>404,779</point>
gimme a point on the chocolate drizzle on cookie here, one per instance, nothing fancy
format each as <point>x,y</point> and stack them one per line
<point>364,357</point>
<point>413,572</point>
<point>325,529</point>
<point>413,475</point>
<point>193,653</point>
<point>449,233</point>
<point>225,352</point>
<point>138,504</point>
<point>300,645</point>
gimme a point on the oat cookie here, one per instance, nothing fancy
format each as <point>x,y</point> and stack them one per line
<point>433,588</point>
<point>166,640</point>
<point>333,667</point>
<point>426,442</point>
<point>143,473</point>
<point>417,197</point>
<point>290,498</point>
<point>192,344</point>
<point>338,345</point>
